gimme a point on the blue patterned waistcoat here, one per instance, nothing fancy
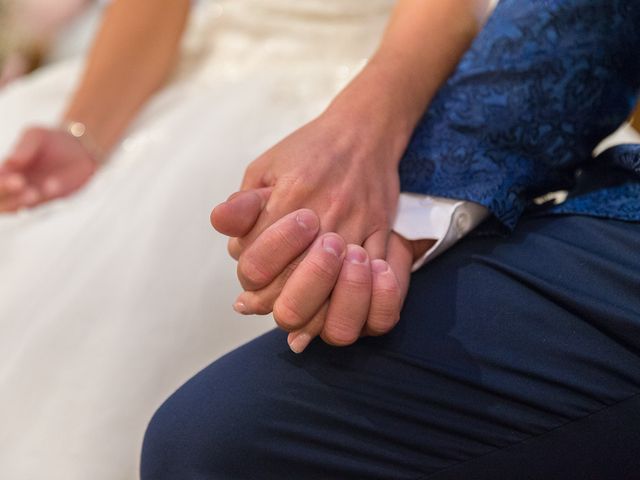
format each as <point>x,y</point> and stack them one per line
<point>543,83</point>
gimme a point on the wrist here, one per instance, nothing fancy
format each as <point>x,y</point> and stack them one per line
<point>79,131</point>
<point>372,109</point>
<point>403,76</point>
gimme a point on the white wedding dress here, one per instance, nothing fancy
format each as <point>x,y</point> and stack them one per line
<point>112,298</point>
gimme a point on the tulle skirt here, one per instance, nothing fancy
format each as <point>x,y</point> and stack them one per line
<point>111,298</point>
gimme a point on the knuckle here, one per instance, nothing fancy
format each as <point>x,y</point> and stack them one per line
<point>385,286</point>
<point>386,301</point>
<point>261,304</point>
<point>252,172</point>
<point>323,269</point>
<point>382,321</point>
<point>383,316</point>
<point>286,314</point>
<point>290,237</point>
<point>289,269</point>
<point>340,331</point>
<point>357,282</point>
<point>379,218</point>
<point>298,183</point>
<point>252,273</point>
<point>386,294</point>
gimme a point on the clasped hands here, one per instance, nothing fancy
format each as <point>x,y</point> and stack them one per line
<point>310,230</point>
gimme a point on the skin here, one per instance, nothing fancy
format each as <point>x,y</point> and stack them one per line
<point>133,55</point>
<point>353,278</point>
<point>348,178</point>
<point>365,295</point>
<point>345,177</point>
<point>45,164</point>
<point>349,175</point>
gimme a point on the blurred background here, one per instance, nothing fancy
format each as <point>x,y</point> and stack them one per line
<point>37,32</point>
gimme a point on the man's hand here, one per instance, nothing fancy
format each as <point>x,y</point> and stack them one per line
<point>352,297</point>
<point>45,164</point>
<point>334,290</point>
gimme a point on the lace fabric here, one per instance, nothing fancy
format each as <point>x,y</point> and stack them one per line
<point>231,38</point>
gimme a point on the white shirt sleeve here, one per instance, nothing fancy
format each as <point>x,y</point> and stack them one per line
<point>422,217</point>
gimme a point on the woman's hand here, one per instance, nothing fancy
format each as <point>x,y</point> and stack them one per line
<point>45,164</point>
<point>345,169</point>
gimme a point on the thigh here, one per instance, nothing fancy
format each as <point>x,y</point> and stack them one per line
<point>501,342</point>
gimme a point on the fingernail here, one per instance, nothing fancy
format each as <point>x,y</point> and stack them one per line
<point>333,245</point>
<point>356,254</point>
<point>379,266</point>
<point>240,307</point>
<point>298,341</point>
<point>307,220</point>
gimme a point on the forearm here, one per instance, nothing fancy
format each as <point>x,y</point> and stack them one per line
<point>133,54</point>
<point>423,43</point>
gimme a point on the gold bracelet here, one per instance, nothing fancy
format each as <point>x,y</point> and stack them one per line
<point>79,131</point>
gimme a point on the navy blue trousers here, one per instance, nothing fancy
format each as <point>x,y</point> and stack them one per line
<point>515,358</point>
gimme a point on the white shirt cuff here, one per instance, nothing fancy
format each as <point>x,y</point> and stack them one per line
<point>421,217</point>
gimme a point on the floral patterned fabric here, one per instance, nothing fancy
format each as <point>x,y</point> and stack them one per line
<point>543,83</point>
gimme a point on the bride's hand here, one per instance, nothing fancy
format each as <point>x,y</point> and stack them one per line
<point>343,166</point>
<point>45,164</point>
<point>345,169</point>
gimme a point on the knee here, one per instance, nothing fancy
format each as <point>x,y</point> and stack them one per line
<point>205,429</point>
<point>167,445</point>
<point>190,436</point>
<point>214,426</point>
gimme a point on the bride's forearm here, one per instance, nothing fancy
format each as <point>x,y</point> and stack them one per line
<point>132,55</point>
<point>423,43</point>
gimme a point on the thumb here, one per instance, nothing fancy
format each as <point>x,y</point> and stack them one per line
<point>26,150</point>
<point>237,216</point>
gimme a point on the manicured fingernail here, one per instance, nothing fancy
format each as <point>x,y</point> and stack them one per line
<point>333,245</point>
<point>240,307</point>
<point>379,266</point>
<point>356,254</point>
<point>307,220</point>
<point>298,341</point>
